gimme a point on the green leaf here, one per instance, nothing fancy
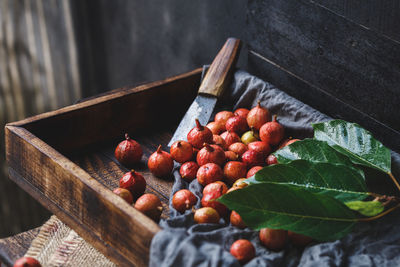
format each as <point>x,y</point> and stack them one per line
<point>366,208</point>
<point>283,206</point>
<point>355,142</point>
<point>336,180</point>
<point>311,150</point>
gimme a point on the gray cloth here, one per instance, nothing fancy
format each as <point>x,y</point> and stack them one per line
<point>184,243</point>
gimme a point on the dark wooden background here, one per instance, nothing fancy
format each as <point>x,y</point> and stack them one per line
<point>341,57</point>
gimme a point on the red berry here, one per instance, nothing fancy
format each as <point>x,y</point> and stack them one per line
<point>299,240</point>
<point>209,173</point>
<point>210,193</point>
<point>230,155</point>
<point>230,137</point>
<point>236,220</point>
<point>211,154</point>
<point>128,152</point>
<point>199,135</point>
<point>216,127</point>
<point>253,171</point>
<point>150,205</point>
<point>222,116</point>
<point>241,112</point>
<point>188,171</point>
<point>272,132</point>
<point>258,116</point>
<point>238,147</point>
<point>219,141</point>
<point>271,159</point>
<point>252,158</point>
<point>243,250</point>
<point>273,239</point>
<point>234,170</point>
<point>183,200</point>
<point>260,146</point>
<point>287,142</point>
<point>160,163</point>
<point>181,151</point>
<point>134,182</point>
<point>27,262</point>
<point>124,193</point>
<point>237,124</point>
<point>206,215</point>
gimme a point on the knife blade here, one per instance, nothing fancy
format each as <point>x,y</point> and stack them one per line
<point>217,78</point>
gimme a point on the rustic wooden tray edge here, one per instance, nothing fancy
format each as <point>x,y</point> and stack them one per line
<point>33,165</point>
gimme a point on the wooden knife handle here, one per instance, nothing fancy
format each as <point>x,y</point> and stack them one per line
<point>220,72</point>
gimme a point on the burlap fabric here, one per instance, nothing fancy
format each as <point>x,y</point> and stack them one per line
<point>58,245</point>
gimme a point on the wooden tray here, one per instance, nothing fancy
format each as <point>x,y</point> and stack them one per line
<point>64,159</point>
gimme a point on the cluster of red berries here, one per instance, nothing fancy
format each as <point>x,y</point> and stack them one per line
<point>226,151</point>
<point>132,185</point>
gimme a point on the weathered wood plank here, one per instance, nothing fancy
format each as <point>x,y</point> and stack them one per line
<point>144,108</point>
<point>337,59</point>
<point>338,56</point>
<point>321,100</point>
<point>14,247</point>
<point>94,212</point>
<point>380,16</point>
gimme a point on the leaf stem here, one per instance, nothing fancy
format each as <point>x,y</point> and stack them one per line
<point>394,180</point>
<point>379,215</point>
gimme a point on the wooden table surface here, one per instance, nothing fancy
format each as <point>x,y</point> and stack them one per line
<point>14,247</point>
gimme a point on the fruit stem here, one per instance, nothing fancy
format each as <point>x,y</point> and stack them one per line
<point>274,118</point>
<point>379,215</point>
<point>199,126</point>
<point>127,136</point>
<point>259,103</point>
<point>159,149</point>
<point>133,171</point>
<point>394,180</point>
<point>178,144</point>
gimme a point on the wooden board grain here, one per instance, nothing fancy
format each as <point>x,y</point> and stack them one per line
<point>65,160</point>
<point>327,61</point>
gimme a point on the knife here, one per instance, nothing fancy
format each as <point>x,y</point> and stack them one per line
<point>217,78</point>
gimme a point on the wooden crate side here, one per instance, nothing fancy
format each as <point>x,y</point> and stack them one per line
<point>144,108</point>
<point>94,212</point>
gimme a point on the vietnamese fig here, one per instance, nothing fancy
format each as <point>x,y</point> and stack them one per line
<point>183,200</point>
<point>272,132</point>
<point>181,151</point>
<point>128,152</point>
<point>209,173</point>
<point>273,239</point>
<point>243,250</point>
<point>188,171</point>
<point>206,215</point>
<point>199,135</point>
<point>150,205</point>
<point>160,163</point>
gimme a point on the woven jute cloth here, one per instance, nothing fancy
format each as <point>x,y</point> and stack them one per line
<point>58,245</point>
